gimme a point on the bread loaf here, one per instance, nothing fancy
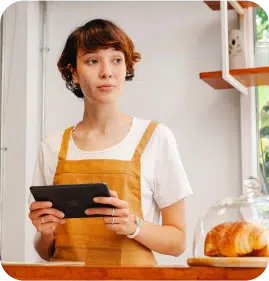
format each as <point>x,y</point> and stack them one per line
<point>237,239</point>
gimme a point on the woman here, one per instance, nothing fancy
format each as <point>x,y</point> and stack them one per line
<point>137,158</point>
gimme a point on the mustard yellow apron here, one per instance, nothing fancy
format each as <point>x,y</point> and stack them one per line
<point>87,239</point>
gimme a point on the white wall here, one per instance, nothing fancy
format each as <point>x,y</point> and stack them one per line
<point>166,88</point>
<point>33,109</point>
<point>22,104</point>
<point>13,223</point>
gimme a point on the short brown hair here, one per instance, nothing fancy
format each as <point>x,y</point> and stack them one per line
<point>95,35</point>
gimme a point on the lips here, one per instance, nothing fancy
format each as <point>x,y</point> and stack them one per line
<point>106,86</point>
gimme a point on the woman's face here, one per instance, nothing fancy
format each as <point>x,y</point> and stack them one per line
<point>101,75</point>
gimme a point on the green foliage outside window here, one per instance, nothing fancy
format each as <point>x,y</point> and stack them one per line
<point>262,31</point>
<point>262,23</point>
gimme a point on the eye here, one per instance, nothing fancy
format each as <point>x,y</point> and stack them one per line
<point>118,60</point>
<point>92,61</point>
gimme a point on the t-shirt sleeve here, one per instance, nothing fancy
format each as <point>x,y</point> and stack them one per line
<point>46,161</point>
<point>39,176</point>
<point>171,182</point>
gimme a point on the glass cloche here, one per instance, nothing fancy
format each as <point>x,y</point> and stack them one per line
<point>235,227</point>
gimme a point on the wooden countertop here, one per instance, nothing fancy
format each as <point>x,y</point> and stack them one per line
<point>75,272</point>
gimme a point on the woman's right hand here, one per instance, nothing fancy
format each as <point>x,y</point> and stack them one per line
<point>45,218</point>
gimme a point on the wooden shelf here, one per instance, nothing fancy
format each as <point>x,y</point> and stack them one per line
<point>249,77</point>
<point>215,5</point>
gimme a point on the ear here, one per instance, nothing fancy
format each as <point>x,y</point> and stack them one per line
<point>74,73</point>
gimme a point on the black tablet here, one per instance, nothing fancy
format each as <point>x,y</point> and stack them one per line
<point>72,199</point>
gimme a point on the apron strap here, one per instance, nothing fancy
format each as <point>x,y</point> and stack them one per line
<point>65,141</point>
<point>144,141</point>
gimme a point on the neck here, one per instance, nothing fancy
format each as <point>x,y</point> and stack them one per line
<point>102,118</point>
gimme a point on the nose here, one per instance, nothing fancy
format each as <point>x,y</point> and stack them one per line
<point>105,70</point>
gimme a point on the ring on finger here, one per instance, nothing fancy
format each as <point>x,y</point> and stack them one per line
<point>42,220</point>
<point>113,211</point>
<point>113,220</point>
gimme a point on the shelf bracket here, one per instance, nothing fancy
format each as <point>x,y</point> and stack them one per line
<point>225,45</point>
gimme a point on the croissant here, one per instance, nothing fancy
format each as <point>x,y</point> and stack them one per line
<point>212,238</point>
<point>263,252</point>
<point>237,239</point>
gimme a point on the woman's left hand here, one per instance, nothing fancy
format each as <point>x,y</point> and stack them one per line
<point>122,222</point>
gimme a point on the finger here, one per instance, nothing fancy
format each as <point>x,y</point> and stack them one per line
<point>50,218</point>
<point>114,227</point>
<point>40,205</point>
<point>48,211</point>
<point>112,201</point>
<point>114,193</point>
<point>47,228</point>
<point>107,212</point>
<point>116,220</point>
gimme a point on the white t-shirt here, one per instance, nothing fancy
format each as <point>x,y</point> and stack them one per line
<point>163,178</point>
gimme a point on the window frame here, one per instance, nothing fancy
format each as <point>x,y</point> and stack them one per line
<point>248,104</point>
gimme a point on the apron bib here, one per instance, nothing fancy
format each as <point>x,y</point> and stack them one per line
<point>87,239</point>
